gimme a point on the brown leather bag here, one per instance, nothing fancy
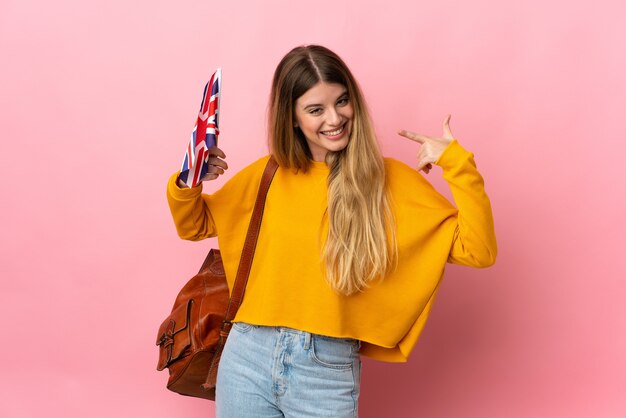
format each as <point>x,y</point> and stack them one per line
<point>191,339</point>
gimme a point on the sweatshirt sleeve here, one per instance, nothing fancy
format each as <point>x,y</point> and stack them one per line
<point>190,211</point>
<point>474,241</point>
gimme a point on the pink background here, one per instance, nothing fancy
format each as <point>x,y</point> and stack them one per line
<point>97,102</point>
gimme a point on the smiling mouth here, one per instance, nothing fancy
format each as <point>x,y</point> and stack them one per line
<point>335,132</point>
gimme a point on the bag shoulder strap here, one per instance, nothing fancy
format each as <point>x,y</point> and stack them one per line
<point>249,246</point>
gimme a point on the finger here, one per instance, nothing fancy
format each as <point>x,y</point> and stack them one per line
<point>423,163</point>
<point>209,176</point>
<point>215,170</point>
<point>422,167</point>
<point>217,162</point>
<point>413,136</point>
<point>216,151</point>
<point>447,132</point>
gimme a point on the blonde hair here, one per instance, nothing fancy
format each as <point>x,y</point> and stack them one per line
<point>361,245</point>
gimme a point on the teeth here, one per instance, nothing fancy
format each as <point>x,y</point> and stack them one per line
<point>333,133</point>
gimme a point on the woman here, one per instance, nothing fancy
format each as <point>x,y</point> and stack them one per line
<point>351,250</point>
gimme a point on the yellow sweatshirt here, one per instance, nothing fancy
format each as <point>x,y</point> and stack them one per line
<point>287,286</point>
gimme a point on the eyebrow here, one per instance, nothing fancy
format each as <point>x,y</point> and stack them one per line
<point>345,93</point>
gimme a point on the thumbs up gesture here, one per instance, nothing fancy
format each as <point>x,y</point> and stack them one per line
<point>431,147</point>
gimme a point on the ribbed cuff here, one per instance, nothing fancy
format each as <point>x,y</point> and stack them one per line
<point>453,155</point>
<point>184,193</point>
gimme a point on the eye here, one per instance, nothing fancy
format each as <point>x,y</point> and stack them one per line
<point>343,101</point>
<point>316,111</point>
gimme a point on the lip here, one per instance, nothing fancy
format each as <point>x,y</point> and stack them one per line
<point>338,136</point>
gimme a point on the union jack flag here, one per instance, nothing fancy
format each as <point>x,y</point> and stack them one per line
<point>204,135</point>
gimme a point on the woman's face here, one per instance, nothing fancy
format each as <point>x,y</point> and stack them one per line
<point>324,114</point>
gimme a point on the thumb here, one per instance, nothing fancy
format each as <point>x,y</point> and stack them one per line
<point>447,132</point>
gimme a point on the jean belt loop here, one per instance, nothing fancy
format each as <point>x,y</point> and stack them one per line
<point>307,340</point>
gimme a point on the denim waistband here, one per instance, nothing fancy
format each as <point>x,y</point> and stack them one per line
<point>306,334</point>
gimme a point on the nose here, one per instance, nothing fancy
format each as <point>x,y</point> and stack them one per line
<point>333,118</point>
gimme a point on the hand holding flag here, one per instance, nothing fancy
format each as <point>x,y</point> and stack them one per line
<point>202,151</point>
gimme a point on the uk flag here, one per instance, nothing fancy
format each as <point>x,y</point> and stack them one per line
<point>204,135</point>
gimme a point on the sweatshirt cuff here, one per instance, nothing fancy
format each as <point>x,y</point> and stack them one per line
<point>185,193</point>
<point>452,155</point>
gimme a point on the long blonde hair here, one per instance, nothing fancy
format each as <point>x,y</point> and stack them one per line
<point>361,245</point>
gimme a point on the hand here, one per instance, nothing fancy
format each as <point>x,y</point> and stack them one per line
<point>216,164</point>
<point>216,167</point>
<point>432,147</point>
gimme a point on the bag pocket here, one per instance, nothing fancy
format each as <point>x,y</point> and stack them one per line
<point>174,336</point>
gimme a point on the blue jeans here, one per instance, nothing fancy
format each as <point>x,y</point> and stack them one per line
<point>283,372</point>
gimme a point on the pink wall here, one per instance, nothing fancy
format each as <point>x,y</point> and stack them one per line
<point>98,99</point>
